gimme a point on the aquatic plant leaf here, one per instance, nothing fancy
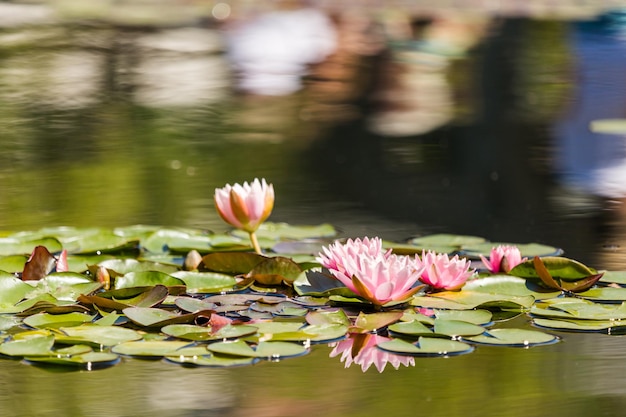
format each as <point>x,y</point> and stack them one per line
<point>426,346</point>
<point>104,242</point>
<point>12,290</point>
<point>206,282</point>
<point>87,361</point>
<point>55,321</point>
<point>273,327</point>
<point>18,246</point>
<point>146,279</point>
<point>13,263</point>
<point>604,294</point>
<point>319,284</point>
<point>274,271</point>
<point>617,277</point>
<point>445,239</point>
<point>202,333</point>
<point>513,337</point>
<point>479,317</point>
<point>509,285</point>
<point>370,322</point>
<point>475,299</point>
<point>562,268</point>
<point>413,249</point>
<point>124,266</point>
<point>40,264</point>
<point>410,328</point>
<point>455,328</point>
<point>157,317</point>
<point>97,336</point>
<point>264,350</point>
<point>301,247</point>
<point>603,326</point>
<point>231,262</point>
<point>150,348</point>
<point>284,231</point>
<point>322,317</point>
<point>40,345</point>
<point>528,250</point>
<point>212,360</point>
<point>322,333</point>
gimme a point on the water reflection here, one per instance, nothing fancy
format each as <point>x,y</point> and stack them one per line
<point>360,349</point>
<point>595,163</point>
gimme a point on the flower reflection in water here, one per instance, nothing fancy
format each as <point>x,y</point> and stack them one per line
<point>360,349</point>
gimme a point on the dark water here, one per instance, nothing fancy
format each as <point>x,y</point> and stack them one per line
<point>104,125</point>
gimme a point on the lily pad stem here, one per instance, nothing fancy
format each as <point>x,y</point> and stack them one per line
<point>255,243</point>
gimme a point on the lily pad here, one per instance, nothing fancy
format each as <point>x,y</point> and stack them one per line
<point>206,282</point>
<point>146,279</point>
<point>149,348</point>
<point>87,361</point>
<point>212,360</point>
<point>426,346</point>
<point>284,231</point>
<point>264,350</point>
<point>55,321</point>
<point>201,333</point>
<point>513,338</point>
<point>34,346</point>
<point>97,336</point>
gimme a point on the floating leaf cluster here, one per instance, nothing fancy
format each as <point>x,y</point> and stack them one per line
<point>89,298</point>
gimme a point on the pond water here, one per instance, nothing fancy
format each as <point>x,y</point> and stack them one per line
<point>468,124</point>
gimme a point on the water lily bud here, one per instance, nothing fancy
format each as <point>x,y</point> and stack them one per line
<point>245,206</point>
<point>192,260</point>
<point>102,275</point>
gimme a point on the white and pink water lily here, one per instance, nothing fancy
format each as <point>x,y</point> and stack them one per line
<point>371,273</point>
<point>246,206</point>
<point>444,273</point>
<point>503,258</point>
<point>360,349</point>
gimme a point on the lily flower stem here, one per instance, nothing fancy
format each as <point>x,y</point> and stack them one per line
<point>255,243</point>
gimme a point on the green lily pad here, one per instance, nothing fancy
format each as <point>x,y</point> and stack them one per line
<point>445,239</point>
<point>13,246</point>
<point>156,317</point>
<point>617,277</point>
<point>413,328</point>
<point>560,268</point>
<point>510,285</point>
<point>284,231</point>
<point>13,263</point>
<point>513,338</point>
<point>146,279</point>
<point>192,305</point>
<point>603,326</point>
<point>201,333</point>
<point>316,283</point>
<point>604,294</point>
<point>124,266</point>
<point>328,317</point>
<point>40,345</point>
<point>274,271</point>
<point>456,328</point>
<point>264,350</point>
<point>426,346</point>
<point>104,242</point>
<point>55,321</point>
<point>149,348</point>
<point>231,262</point>
<point>529,250</point>
<point>479,317</point>
<point>206,282</point>
<point>97,336</point>
<point>365,323</point>
<point>463,300</point>
<point>212,360</point>
<point>87,361</point>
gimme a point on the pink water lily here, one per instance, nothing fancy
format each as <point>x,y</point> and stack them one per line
<point>360,349</point>
<point>503,258</point>
<point>444,273</point>
<point>245,206</point>
<point>371,273</point>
